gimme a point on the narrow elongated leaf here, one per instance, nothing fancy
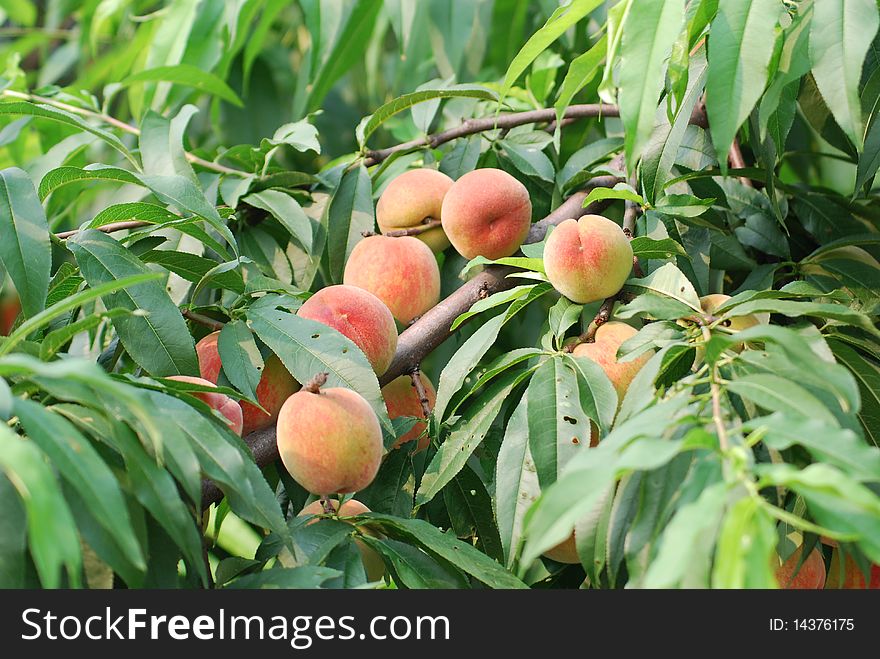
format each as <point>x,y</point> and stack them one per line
<point>840,34</point>
<point>67,174</point>
<point>240,357</point>
<point>186,75</point>
<point>159,340</point>
<point>287,211</point>
<point>740,48</point>
<point>581,72</point>
<point>25,251</point>
<point>649,32</point>
<point>161,142</point>
<point>349,215</point>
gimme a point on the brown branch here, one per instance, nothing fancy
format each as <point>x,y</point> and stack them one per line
<point>502,121</point>
<point>416,377</point>
<point>106,228</point>
<point>210,323</point>
<point>427,224</point>
<point>735,158</point>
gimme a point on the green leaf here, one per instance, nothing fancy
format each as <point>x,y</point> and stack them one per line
<point>349,214</point>
<point>25,250</point>
<point>581,72</point>
<point>867,374</point>
<point>23,108</point>
<point>462,555</point>
<point>468,434</point>
<point>668,281</point>
<point>161,143</point>
<point>649,248</point>
<point>287,211</point>
<point>619,191</point>
<point>186,75</point>
<point>649,31</point>
<point>683,205</point>
<point>470,510</point>
<point>307,347</point>
<point>529,159</point>
<point>746,546</point>
<point>840,35</point>
<point>827,443</point>
<point>406,101</point>
<point>413,568</point>
<point>560,20</point>
<point>240,357</point>
<point>65,175</point>
<point>304,576</point>
<point>156,336</point>
<point>740,48</point>
<point>196,269</point>
<point>795,309</point>
<point>52,537</point>
<point>776,394</point>
<point>81,466</point>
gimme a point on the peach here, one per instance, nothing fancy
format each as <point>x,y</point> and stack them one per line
<point>359,315</point>
<point>275,385</point>
<point>402,399</point>
<point>10,307</point>
<point>373,564</point>
<point>588,259</point>
<point>844,572</point>
<point>565,551</point>
<point>217,401</point>
<point>412,199</point>
<point>486,212</point>
<point>809,576</point>
<point>402,272</point>
<point>711,302</point>
<point>329,439</point>
<point>603,350</point>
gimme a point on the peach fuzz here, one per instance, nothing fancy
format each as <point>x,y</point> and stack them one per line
<point>374,566</point>
<point>329,439</point>
<point>402,272</point>
<point>487,212</point>
<point>808,576</point>
<point>402,399</point>
<point>588,259</point>
<point>359,315</point>
<point>220,402</point>
<point>275,385</point>
<point>411,199</point>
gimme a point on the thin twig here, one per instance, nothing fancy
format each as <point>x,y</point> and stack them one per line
<point>735,157</point>
<point>416,377</point>
<point>502,121</point>
<point>116,123</point>
<point>428,224</point>
<point>599,319</point>
<point>715,390</point>
<point>210,323</point>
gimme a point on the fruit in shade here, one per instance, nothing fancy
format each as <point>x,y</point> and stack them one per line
<point>10,307</point>
<point>588,259</point>
<point>402,272</point>
<point>603,350</point>
<point>217,401</point>
<point>402,399</point>
<point>486,212</point>
<point>359,315</point>
<point>329,439</point>
<point>810,575</point>
<point>275,385</point>
<point>373,564</point>
<point>565,551</point>
<point>412,198</point>
<point>844,572</point>
<point>710,303</point>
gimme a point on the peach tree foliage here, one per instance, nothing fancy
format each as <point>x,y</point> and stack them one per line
<point>249,159</point>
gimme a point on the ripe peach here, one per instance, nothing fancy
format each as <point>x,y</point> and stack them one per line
<point>373,563</point>
<point>401,399</point>
<point>402,272</point>
<point>810,575</point>
<point>565,551</point>
<point>359,315</point>
<point>329,439</point>
<point>275,385</point>
<point>410,200</point>
<point>220,402</point>
<point>486,212</point>
<point>711,302</point>
<point>588,259</point>
<point>844,572</point>
<point>608,339</point>
<point>10,307</point>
